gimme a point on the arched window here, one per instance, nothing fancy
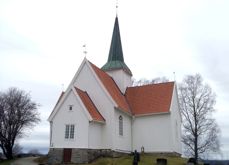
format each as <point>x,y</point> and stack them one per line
<point>120,125</point>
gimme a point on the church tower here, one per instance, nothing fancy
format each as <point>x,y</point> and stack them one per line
<point>115,65</point>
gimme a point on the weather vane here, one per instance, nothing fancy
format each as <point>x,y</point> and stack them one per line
<point>62,86</point>
<point>116,7</point>
<point>85,49</point>
<point>174,76</point>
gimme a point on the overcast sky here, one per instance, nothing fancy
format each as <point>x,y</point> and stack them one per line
<point>41,47</point>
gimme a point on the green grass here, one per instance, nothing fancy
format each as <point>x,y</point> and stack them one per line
<point>145,160</point>
<point>6,162</point>
<point>127,160</point>
<point>41,159</point>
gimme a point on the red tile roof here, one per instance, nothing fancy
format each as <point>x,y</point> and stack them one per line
<point>90,105</point>
<point>112,89</point>
<point>150,99</point>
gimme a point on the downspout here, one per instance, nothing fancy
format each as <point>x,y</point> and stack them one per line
<point>88,134</point>
<point>132,121</point>
<point>50,142</point>
<point>113,130</point>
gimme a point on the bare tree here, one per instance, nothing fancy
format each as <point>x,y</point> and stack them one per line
<point>147,82</point>
<point>17,112</point>
<point>17,149</point>
<point>200,131</point>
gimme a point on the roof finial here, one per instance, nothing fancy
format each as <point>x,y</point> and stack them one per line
<point>116,8</point>
<point>85,50</point>
<point>174,76</point>
<point>62,86</point>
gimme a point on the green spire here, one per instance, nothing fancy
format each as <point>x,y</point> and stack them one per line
<point>115,58</point>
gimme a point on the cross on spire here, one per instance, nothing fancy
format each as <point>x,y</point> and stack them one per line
<point>116,8</point>
<point>85,50</point>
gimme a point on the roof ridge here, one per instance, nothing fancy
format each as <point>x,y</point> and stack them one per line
<point>78,90</point>
<point>112,88</point>
<point>150,99</point>
<point>99,69</point>
<point>94,104</point>
<point>123,95</point>
<point>161,83</point>
<point>59,98</point>
<point>127,101</point>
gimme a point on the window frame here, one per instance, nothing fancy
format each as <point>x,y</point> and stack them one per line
<point>69,133</point>
<point>72,131</point>
<point>120,123</point>
<point>70,107</point>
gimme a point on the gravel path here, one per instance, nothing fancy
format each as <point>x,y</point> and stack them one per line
<point>25,161</point>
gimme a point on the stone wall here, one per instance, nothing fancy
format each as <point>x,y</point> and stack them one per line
<point>55,155</point>
<point>88,155</point>
<point>85,155</point>
<point>79,155</point>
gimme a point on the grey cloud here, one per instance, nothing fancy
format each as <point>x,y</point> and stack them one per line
<point>215,61</point>
<point>10,40</point>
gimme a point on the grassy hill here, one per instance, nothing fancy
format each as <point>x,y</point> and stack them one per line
<point>145,160</point>
<point>127,160</point>
<point>6,162</point>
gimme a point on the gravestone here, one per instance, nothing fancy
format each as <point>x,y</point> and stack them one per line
<point>161,161</point>
<point>191,161</point>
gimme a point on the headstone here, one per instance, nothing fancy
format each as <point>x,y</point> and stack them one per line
<point>191,161</point>
<point>161,161</point>
<point>142,150</point>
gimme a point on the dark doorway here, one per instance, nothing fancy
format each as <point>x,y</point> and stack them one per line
<point>67,155</point>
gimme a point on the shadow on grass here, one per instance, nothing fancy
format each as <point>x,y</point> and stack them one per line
<point>6,162</point>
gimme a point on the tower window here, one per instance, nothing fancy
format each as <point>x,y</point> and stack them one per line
<point>70,107</point>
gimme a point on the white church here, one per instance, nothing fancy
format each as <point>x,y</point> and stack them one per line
<point>102,114</point>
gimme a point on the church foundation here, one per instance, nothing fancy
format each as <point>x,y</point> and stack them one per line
<point>80,155</point>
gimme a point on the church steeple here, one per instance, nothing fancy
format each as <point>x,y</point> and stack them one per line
<point>115,59</point>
